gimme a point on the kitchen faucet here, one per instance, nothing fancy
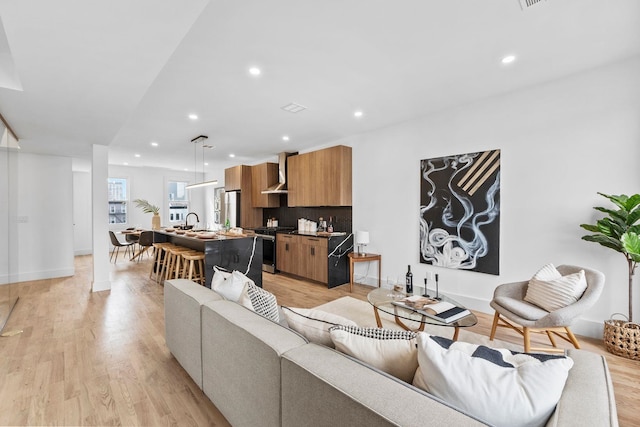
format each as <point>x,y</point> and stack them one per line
<point>186,219</point>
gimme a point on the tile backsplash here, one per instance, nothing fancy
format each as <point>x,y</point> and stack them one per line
<point>288,217</point>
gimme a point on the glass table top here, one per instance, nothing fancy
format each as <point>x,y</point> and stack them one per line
<point>383,298</point>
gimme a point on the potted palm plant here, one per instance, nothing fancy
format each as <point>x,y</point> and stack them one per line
<point>620,231</point>
<point>149,208</point>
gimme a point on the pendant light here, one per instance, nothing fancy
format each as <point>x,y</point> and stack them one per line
<point>196,140</point>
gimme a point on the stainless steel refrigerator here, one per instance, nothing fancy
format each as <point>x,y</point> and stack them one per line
<point>232,208</point>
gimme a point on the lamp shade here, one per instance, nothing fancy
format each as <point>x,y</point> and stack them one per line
<point>362,237</point>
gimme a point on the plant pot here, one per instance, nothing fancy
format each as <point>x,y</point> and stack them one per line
<point>622,338</point>
<point>155,221</point>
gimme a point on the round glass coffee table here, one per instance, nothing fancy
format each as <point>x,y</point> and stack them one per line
<point>382,300</point>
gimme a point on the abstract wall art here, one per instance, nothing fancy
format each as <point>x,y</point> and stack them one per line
<point>460,211</point>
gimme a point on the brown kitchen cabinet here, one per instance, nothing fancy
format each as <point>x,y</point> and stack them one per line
<point>303,256</point>
<point>262,176</point>
<point>233,178</point>
<point>314,257</point>
<point>320,178</point>
<point>288,254</point>
<point>239,179</point>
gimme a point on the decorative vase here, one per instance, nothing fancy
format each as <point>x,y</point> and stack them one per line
<point>155,221</point>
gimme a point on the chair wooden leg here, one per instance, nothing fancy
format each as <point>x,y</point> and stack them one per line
<point>572,337</point>
<point>496,318</point>
<point>527,339</point>
<point>553,341</point>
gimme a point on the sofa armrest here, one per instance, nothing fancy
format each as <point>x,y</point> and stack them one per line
<point>183,300</point>
<point>587,398</point>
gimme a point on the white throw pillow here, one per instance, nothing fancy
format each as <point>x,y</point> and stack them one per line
<point>314,324</point>
<point>391,351</point>
<point>499,386</point>
<point>230,285</point>
<point>261,301</point>
<point>550,290</point>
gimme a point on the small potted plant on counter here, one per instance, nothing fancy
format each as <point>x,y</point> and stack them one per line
<point>620,231</point>
<point>149,208</point>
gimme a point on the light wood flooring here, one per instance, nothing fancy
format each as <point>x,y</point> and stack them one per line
<point>88,358</point>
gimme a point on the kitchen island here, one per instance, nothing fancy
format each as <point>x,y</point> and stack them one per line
<point>228,252</point>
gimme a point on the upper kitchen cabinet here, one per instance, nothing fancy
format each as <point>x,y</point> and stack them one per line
<point>233,178</point>
<point>263,176</point>
<point>238,178</point>
<point>320,178</point>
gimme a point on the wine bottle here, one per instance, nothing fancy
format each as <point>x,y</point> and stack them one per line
<point>409,281</point>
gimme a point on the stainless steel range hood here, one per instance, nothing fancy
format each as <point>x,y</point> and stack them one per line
<point>281,186</point>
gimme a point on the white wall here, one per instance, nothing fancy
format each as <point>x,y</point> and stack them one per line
<point>82,242</point>
<point>44,225</point>
<point>561,142</point>
<point>151,184</point>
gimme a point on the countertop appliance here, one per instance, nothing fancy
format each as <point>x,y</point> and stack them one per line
<point>268,235</point>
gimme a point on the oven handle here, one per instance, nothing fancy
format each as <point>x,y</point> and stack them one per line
<point>267,237</point>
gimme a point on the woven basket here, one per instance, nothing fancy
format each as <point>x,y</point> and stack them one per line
<point>622,337</point>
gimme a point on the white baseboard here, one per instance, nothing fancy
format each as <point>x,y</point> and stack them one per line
<point>82,252</point>
<point>584,327</point>
<point>36,275</point>
<point>104,285</point>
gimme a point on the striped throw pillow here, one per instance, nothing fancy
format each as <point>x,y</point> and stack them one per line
<point>550,290</point>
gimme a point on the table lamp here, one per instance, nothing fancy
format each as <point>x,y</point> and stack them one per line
<point>362,239</point>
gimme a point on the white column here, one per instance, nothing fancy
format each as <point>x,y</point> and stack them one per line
<point>100,218</point>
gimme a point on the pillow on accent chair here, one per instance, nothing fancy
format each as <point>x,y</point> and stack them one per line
<point>229,285</point>
<point>314,324</point>
<point>550,290</point>
<point>391,351</point>
<point>499,386</point>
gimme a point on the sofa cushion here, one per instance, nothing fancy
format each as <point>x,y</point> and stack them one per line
<point>314,324</point>
<point>261,301</point>
<point>391,351</point>
<point>502,387</point>
<point>229,285</point>
<point>551,290</point>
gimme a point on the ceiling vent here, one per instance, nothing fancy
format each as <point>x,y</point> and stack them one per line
<point>525,4</point>
<point>294,108</point>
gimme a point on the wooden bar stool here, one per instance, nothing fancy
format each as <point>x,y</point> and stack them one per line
<point>194,267</point>
<point>168,263</point>
<point>159,259</point>
<point>174,261</point>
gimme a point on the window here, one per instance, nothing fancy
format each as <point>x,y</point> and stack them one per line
<point>118,200</point>
<point>178,201</point>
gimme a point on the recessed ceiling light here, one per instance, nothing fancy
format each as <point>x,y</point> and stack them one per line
<point>206,163</point>
<point>358,113</point>
<point>285,138</point>
<point>126,164</point>
<point>186,170</point>
<point>154,144</point>
<point>193,116</point>
<point>232,155</point>
<point>508,59</point>
<point>255,71</point>
<point>136,155</point>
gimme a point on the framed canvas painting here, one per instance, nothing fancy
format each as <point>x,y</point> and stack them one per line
<point>460,211</point>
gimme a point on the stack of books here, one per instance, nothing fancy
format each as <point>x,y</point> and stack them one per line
<point>439,310</point>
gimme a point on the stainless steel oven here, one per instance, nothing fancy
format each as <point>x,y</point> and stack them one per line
<point>268,235</point>
<point>268,253</point>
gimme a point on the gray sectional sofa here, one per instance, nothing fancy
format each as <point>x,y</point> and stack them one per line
<point>257,372</point>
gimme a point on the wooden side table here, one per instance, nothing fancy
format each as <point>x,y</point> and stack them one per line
<point>356,257</point>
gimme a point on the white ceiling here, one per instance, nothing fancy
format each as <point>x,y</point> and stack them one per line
<point>124,73</point>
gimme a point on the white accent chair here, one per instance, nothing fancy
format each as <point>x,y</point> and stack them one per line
<point>514,312</point>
